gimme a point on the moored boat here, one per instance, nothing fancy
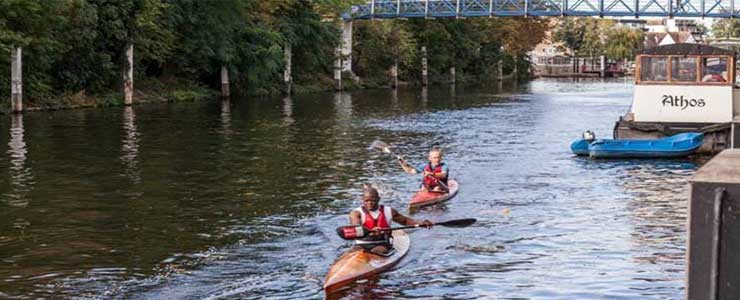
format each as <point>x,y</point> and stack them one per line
<point>358,264</point>
<point>679,145</point>
<point>425,198</point>
<point>684,87</point>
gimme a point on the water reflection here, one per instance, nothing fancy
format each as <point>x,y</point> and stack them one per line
<point>394,100</point>
<point>343,106</point>
<point>226,116</point>
<point>424,96</point>
<point>368,289</point>
<point>288,111</point>
<point>658,209</point>
<point>21,178</point>
<point>130,145</point>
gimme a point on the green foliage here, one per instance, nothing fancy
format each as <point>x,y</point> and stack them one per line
<point>726,28</point>
<point>74,50</point>
<point>378,46</point>
<point>624,43</point>
<point>312,40</point>
<point>572,33</point>
<point>594,37</point>
<point>583,36</point>
<point>472,46</point>
<point>34,26</point>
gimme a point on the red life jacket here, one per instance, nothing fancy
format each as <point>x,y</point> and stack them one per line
<point>430,182</point>
<point>371,222</point>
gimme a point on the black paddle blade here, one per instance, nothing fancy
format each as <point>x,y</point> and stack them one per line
<point>351,232</point>
<point>457,223</point>
<point>382,146</point>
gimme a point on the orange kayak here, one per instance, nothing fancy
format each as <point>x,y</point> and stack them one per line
<point>358,264</point>
<point>424,198</point>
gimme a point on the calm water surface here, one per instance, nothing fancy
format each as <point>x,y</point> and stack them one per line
<point>240,200</point>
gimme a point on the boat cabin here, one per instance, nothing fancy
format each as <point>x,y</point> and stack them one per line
<point>685,83</point>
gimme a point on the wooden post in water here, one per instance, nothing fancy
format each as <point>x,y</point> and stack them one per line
<point>424,70</point>
<point>287,73</point>
<point>16,80</point>
<point>394,75</point>
<point>225,92</point>
<point>347,50</point>
<point>453,75</point>
<point>338,69</point>
<point>501,69</point>
<point>128,77</point>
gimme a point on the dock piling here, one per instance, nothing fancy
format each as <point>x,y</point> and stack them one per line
<point>16,83</point>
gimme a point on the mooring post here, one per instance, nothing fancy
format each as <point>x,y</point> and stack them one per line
<point>128,76</point>
<point>225,93</point>
<point>603,66</point>
<point>424,70</point>
<point>453,75</point>
<point>287,75</point>
<point>347,50</point>
<point>16,80</point>
<point>500,70</point>
<point>338,69</point>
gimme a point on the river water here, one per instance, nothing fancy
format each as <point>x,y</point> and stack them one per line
<point>239,200</point>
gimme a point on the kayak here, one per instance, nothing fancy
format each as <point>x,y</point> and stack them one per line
<point>679,145</point>
<point>358,264</point>
<point>424,198</point>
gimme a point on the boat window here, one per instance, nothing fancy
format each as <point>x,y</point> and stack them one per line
<point>654,69</point>
<point>714,69</point>
<point>683,69</point>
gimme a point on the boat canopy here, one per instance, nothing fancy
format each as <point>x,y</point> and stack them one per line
<point>686,64</point>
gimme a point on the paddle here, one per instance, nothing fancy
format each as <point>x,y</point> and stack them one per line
<point>352,232</point>
<point>385,148</point>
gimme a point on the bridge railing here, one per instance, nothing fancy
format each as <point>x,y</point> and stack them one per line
<point>489,8</point>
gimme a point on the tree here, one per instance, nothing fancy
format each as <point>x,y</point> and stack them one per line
<point>624,43</point>
<point>726,28</point>
<point>34,26</point>
<point>571,33</point>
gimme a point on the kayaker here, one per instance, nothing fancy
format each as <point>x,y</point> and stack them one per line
<point>435,171</point>
<point>374,216</point>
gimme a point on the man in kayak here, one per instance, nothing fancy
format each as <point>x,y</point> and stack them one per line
<point>435,171</point>
<point>373,216</point>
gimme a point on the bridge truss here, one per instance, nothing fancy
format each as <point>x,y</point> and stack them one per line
<point>389,9</point>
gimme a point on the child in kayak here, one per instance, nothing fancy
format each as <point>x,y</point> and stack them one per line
<point>373,216</point>
<point>435,171</point>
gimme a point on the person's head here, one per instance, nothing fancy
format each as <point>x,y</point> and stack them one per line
<point>370,198</point>
<point>435,155</point>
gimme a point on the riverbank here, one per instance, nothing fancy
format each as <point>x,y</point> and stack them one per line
<point>158,91</point>
<point>147,91</point>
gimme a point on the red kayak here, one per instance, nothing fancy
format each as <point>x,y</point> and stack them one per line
<point>358,264</point>
<point>425,198</point>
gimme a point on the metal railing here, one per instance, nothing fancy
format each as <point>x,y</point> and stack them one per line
<point>389,9</point>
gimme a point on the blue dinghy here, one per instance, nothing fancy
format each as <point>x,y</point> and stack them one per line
<point>679,145</point>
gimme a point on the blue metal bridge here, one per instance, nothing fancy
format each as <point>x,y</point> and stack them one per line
<point>389,9</point>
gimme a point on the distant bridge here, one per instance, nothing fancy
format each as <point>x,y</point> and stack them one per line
<point>391,9</point>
